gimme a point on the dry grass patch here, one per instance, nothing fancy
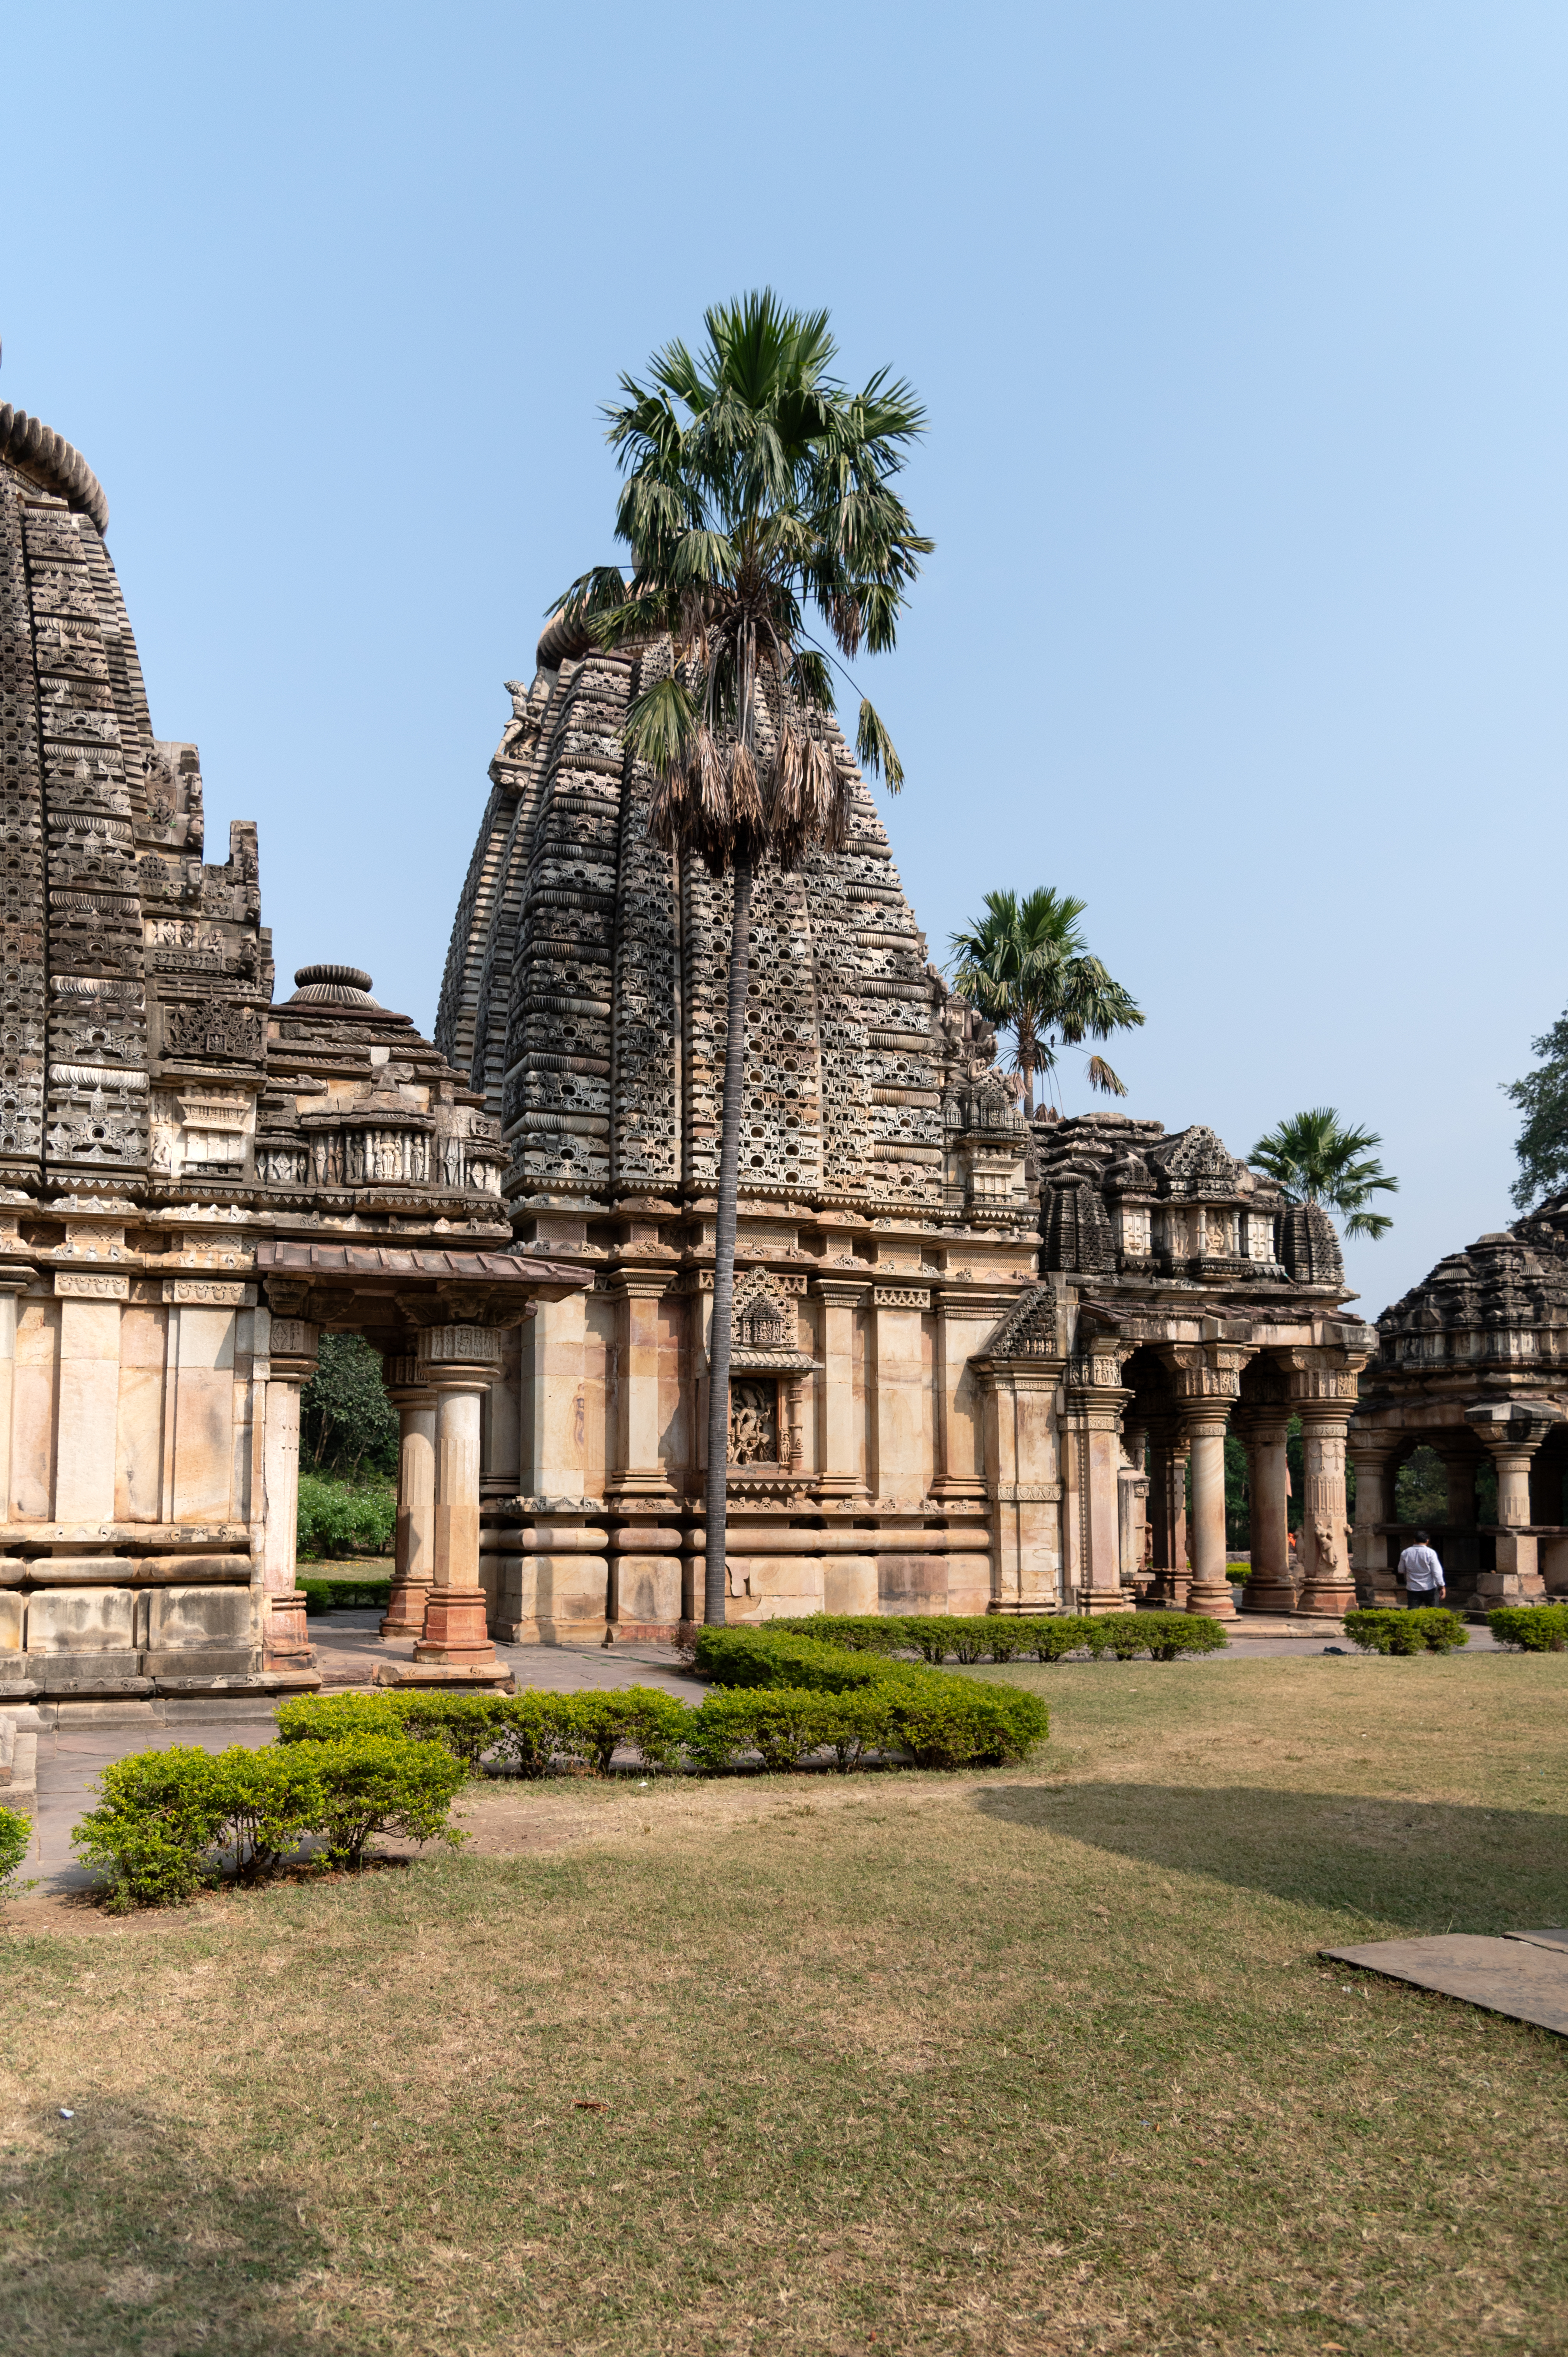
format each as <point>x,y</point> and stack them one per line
<point>1022,2062</point>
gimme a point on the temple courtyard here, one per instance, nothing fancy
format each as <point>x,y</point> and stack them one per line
<point>1026,2060</point>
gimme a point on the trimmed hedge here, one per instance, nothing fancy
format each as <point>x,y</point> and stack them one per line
<point>349,1595</point>
<point>943,1722</point>
<point>1387,1630</point>
<point>1531,1627</point>
<point>786,1701</point>
<point>990,1636</point>
<point>167,1822</point>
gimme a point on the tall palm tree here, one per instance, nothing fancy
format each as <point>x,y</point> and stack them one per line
<point>759,491</point>
<point>1027,965</point>
<point>1317,1160</point>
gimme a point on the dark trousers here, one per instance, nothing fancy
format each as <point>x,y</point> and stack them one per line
<point>1422,1599</point>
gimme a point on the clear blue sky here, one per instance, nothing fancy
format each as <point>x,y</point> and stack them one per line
<point>1242,332</point>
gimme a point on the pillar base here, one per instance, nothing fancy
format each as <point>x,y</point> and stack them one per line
<point>1102,1599</point>
<point>1212,1598</point>
<point>405,1609</point>
<point>454,1627</point>
<point>1326,1599</point>
<point>286,1642</point>
<point>1268,1592</point>
<point>1168,1591</point>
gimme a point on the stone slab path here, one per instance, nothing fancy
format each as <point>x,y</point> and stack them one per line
<point>1524,1974</point>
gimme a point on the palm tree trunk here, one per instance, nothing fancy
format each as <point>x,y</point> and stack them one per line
<point>724,1247</point>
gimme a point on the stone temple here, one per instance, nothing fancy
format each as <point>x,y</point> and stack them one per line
<point>973,1360</point>
<point>1473,1364</point>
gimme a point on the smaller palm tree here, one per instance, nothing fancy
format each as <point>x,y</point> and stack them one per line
<point>1027,965</point>
<point>1316,1159</point>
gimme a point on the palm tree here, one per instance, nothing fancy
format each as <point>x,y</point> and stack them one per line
<point>1315,1160</point>
<point>1027,965</point>
<point>758,490</point>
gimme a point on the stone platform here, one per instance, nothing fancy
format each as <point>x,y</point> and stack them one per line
<point>1523,1974</point>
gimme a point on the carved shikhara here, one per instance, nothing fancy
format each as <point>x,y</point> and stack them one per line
<point>956,1340</point>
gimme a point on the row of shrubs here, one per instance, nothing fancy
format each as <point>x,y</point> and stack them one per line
<point>988,1637</point>
<point>169,1822</point>
<point>937,1722</point>
<point>16,1840</point>
<point>1531,1627</point>
<point>1432,1629</point>
<point>346,1767</point>
<point>343,1517</point>
<point>355,1595</point>
<point>1387,1630</point>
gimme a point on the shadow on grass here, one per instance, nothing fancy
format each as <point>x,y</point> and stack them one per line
<point>118,2234</point>
<point>1426,1866</point>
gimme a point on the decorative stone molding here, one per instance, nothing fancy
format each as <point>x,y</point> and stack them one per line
<point>91,1285</point>
<point>476,1348</point>
<point>901,1297</point>
<point>209,1293</point>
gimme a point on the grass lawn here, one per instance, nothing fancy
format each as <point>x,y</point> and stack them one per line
<point>1034,2061</point>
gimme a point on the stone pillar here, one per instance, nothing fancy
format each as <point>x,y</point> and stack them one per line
<point>1019,1401</point>
<point>1370,1455</point>
<point>1269,1587</point>
<point>1133,1491</point>
<point>1321,1384</point>
<point>965,1319</point>
<point>87,1426</point>
<point>1205,1378</point>
<point>838,1420</point>
<point>1093,1404</point>
<point>1462,1458</point>
<point>554,1371</point>
<point>899,1394</point>
<point>292,1347</point>
<point>1168,1505</point>
<point>457,1363</point>
<point>1512,1431</point>
<point>413,1563</point>
<point>638,1471</point>
<point>12,1283</point>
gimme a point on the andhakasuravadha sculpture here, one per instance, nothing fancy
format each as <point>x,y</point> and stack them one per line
<point>972,1361</point>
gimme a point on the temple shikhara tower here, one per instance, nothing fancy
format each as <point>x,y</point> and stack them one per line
<point>976,1362</point>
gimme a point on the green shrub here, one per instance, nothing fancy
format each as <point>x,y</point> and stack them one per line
<point>327,1719</point>
<point>638,1719</point>
<point>166,1820</point>
<point>943,1721</point>
<point>269,1801</point>
<point>156,1828</point>
<point>345,1595</point>
<point>1531,1628</point>
<point>344,1517</point>
<point>16,1840</point>
<point>860,1632</point>
<point>370,1784</point>
<point>1430,1629</point>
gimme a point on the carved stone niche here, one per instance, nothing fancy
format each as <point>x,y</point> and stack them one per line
<point>754,1438</point>
<point>767,1373</point>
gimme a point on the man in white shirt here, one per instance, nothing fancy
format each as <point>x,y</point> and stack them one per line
<point>1422,1574</point>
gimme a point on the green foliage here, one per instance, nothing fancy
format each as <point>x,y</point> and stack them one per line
<point>1027,965</point>
<point>1427,1629</point>
<point>347,1424</point>
<point>370,1784</point>
<point>1316,1159</point>
<point>347,1595</point>
<point>1421,1489</point>
<point>343,1518</point>
<point>167,1822</point>
<point>1531,1627</point>
<point>16,1840</point>
<point>758,489</point>
<point>993,1637</point>
<point>1541,1096</point>
<point>156,1828</point>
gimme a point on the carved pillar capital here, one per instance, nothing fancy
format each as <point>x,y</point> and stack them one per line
<point>293,1350</point>
<point>464,1354</point>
